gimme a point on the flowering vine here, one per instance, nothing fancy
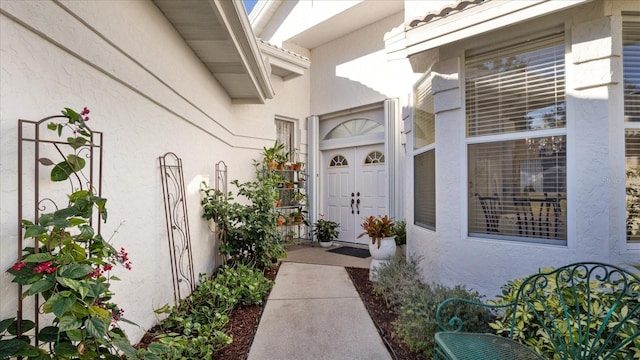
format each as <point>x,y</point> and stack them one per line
<point>70,268</point>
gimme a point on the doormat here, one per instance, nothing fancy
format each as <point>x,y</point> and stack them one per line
<point>351,251</point>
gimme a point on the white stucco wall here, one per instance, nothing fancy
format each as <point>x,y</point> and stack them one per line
<point>354,70</point>
<point>149,95</point>
<point>595,157</point>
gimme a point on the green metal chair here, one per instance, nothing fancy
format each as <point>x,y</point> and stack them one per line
<point>564,308</point>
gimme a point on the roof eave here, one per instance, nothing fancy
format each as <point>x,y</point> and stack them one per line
<point>234,17</point>
<point>284,63</point>
<point>475,20</point>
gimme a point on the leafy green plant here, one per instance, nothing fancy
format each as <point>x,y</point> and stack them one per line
<point>400,232</point>
<point>70,269</point>
<point>395,277</point>
<point>325,230</point>
<point>271,156</point>
<point>567,316</point>
<point>195,328</point>
<point>248,230</point>
<point>416,323</point>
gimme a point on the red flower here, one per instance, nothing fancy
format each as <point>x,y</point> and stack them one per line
<point>107,267</point>
<point>123,257</point>
<point>84,114</point>
<point>44,267</point>
<point>19,265</point>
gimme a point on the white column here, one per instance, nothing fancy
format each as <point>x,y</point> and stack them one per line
<point>313,173</point>
<point>391,144</point>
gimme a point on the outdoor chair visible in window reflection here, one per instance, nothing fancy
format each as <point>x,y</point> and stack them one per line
<point>492,211</point>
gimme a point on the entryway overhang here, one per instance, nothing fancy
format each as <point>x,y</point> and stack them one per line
<point>465,19</point>
<point>219,33</point>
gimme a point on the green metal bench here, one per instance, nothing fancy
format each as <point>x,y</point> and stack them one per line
<point>565,308</point>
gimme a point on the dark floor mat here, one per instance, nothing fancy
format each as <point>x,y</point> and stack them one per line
<point>351,251</point>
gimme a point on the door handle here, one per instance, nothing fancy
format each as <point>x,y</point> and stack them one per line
<point>352,201</point>
<point>357,206</point>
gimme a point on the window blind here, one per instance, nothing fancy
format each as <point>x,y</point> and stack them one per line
<point>425,189</point>
<point>518,188</point>
<point>631,70</point>
<point>424,120</point>
<point>284,135</point>
<point>631,64</point>
<point>520,88</point>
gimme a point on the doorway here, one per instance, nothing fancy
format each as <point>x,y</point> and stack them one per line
<point>354,187</point>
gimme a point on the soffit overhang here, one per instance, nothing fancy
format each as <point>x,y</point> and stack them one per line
<point>465,19</point>
<point>219,33</point>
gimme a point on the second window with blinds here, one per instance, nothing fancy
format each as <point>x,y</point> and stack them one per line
<point>424,156</point>
<point>516,140</point>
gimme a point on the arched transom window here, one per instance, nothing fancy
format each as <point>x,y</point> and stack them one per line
<point>374,157</point>
<point>338,161</point>
<point>354,127</point>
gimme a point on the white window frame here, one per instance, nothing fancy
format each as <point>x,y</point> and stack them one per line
<point>510,136</point>
<point>423,149</point>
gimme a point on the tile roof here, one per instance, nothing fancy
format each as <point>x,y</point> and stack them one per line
<point>282,49</point>
<point>444,12</point>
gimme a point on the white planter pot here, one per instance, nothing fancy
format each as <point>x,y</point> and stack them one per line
<point>325,244</point>
<point>386,250</point>
<point>381,255</point>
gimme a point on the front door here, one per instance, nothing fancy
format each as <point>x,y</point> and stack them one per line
<point>354,187</point>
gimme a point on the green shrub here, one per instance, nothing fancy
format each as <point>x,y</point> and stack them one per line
<point>249,230</point>
<point>579,297</point>
<point>394,277</point>
<point>195,328</point>
<point>416,323</point>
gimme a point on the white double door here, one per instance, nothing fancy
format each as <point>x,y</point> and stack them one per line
<point>353,188</point>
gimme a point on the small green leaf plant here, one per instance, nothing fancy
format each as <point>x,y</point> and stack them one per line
<point>69,267</point>
<point>196,328</point>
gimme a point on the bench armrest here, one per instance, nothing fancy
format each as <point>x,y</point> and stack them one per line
<point>449,320</point>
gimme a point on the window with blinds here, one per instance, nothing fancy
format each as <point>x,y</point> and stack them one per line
<point>520,88</point>
<point>424,118</point>
<point>631,70</point>
<point>424,164</point>
<point>284,135</point>
<point>516,141</point>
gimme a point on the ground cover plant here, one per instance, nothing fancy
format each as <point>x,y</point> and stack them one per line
<point>415,303</point>
<point>197,327</point>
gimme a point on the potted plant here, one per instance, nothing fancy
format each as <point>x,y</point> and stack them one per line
<point>383,244</point>
<point>297,197</point>
<point>326,231</point>
<point>400,235</point>
<point>377,228</point>
<point>270,156</point>
<point>301,182</point>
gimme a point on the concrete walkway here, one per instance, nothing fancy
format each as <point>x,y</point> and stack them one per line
<point>314,312</point>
